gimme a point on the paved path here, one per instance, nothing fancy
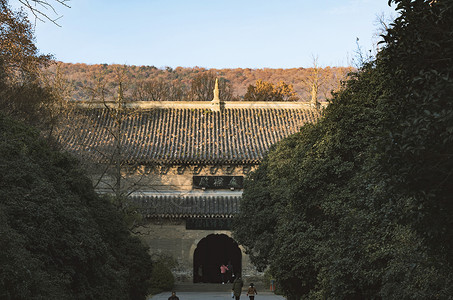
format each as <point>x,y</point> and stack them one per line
<point>213,295</point>
<point>213,291</point>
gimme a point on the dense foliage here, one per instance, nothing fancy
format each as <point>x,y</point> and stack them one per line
<point>17,49</point>
<point>21,94</point>
<point>359,205</point>
<point>59,239</point>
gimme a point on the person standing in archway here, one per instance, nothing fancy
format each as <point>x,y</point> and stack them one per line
<point>200,273</point>
<point>237,287</point>
<point>230,274</point>
<point>251,292</point>
<point>223,272</point>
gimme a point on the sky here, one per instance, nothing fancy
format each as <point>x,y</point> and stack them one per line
<point>212,33</point>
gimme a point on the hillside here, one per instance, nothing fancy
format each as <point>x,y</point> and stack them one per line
<point>85,79</point>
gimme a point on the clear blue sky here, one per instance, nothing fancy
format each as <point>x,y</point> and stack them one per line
<point>212,33</point>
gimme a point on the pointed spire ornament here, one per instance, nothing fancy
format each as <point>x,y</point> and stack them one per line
<point>216,91</point>
<point>217,105</point>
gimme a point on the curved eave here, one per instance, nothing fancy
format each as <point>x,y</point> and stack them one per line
<point>178,162</point>
<point>187,216</point>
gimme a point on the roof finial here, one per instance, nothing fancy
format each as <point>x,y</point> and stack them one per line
<point>215,102</point>
<point>216,91</point>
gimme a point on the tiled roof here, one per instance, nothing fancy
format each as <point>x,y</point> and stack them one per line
<point>184,136</point>
<point>169,206</point>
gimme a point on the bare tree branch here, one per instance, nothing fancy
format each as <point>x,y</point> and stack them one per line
<point>41,8</point>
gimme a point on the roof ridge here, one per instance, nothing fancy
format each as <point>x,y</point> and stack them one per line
<point>203,105</point>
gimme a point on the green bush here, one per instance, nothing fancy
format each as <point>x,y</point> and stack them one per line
<point>59,240</point>
<point>358,205</point>
<point>162,278</point>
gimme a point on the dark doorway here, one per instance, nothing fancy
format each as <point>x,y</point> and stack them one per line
<point>213,251</point>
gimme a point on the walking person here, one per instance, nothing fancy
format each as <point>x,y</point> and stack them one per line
<point>200,273</point>
<point>251,292</point>
<point>223,273</point>
<point>237,287</point>
<point>230,274</point>
<point>173,296</point>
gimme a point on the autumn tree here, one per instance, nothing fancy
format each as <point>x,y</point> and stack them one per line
<point>202,87</point>
<point>180,79</point>
<point>267,91</point>
<point>22,94</point>
<point>115,106</point>
<point>111,172</point>
<point>30,93</point>
<point>60,109</point>
<point>286,92</point>
<point>159,90</point>
<point>313,83</point>
<point>20,56</point>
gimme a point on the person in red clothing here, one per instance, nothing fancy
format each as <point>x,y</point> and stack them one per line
<point>251,292</point>
<point>223,272</point>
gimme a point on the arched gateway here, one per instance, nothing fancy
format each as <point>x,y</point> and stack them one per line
<point>184,165</point>
<point>213,251</point>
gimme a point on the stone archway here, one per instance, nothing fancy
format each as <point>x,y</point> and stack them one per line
<point>211,252</point>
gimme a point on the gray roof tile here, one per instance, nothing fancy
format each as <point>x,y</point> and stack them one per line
<point>184,136</point>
